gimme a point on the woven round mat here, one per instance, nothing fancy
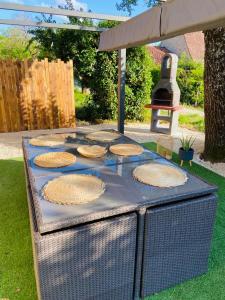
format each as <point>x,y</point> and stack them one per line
<point>55,159</point>
<point>50,140</point>
<point>103,136</point>
<point>92,151</point>
<point>126,149</point>
<point>159,175</point>
<point>74,189</point>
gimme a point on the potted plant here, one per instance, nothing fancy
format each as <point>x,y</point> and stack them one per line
<point>186,152</point>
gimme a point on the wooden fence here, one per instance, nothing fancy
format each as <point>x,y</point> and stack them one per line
<point>36,95</point>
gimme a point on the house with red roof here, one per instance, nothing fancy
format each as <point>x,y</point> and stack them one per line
<point>192,44</point>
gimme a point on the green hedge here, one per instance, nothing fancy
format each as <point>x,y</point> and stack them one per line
<point>103,103</point>
<point>190,80</point>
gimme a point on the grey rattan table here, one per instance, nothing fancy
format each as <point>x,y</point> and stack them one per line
<point>133,241</point>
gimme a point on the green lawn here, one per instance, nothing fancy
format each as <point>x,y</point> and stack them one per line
<point>16,263</point>
<point>192,121</point>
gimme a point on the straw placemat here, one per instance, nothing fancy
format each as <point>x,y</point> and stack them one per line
<point>74,189</point>
<point>103,136</point>
<point>50,140</point>
<point>55,159</point>
<point>126,149</point>
<point>159,175</point>
<point>92,151</point>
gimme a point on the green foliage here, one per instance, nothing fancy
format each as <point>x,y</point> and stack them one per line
<point>138,85</point>
<point>190,80</point>
<point>138,82</point>
<point>103,102</point>
<point>15,44</point>
<point>98,70</point>
<point>80,46</point>
<point>155,72</point>
<point>187,142</point>
<point>127,5</point>
<point>192,121</point>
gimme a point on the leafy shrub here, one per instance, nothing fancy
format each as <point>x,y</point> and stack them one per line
<point>14,44</point>
<point>138,83</point>
<point>105,80</point>
<point>190,80</point>
<point>98,71</point>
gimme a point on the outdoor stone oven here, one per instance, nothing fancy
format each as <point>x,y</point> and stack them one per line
<point>166,96</point>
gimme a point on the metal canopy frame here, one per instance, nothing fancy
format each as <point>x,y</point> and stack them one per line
<point>78,14</point>
<point>60,12</point>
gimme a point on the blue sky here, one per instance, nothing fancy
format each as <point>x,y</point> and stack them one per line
<point>98,6</point>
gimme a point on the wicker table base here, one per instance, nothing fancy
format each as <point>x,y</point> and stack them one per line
<point>134,241</point>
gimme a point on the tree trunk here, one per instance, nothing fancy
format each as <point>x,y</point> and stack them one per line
<point>214,95</point>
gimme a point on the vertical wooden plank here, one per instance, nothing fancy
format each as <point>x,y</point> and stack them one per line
<point>65,89</point>
<point>44,96</point>
<point>58,92</point>
<point>67,93</point>
<point>56,123</point>
<point>18,94</point>
<point>16,101</point>
<point>71,96</point>
<point>35,100</point>
<point>7,95</point>
<point>3,120</point>
<point>26,97</point>
<point>27,80</point>
<point>64,93</point>
<point>12,99</point>
<point>48,93</point>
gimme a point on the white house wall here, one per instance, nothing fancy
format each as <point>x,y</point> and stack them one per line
<point>176,45</point>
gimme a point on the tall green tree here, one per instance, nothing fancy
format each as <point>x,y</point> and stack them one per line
<point>80,46</point>
<point>98,70</point>
<point>14,44</point>
<point>214,83</point>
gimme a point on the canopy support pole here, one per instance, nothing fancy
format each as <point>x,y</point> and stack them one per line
<point>121,88</point>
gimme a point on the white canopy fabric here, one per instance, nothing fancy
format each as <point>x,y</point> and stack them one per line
<point>138,30</point>
<point>176,17</point>
<point>184,16</point>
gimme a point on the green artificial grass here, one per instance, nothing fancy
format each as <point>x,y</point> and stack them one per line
<point>16,263</point>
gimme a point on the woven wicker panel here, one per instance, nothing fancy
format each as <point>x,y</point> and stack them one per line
<point>89,262</point>
<point>126,149</point>
<point>103,136</point>
<point>55,159</point>
<point>177,242</point>
<point>74,189</point>
<point>159,175</point>
<point>92,151</point>
<point>50,140</point>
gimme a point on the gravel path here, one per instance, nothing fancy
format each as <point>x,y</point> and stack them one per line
<point>191,110</point>
<point>10,143</point>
